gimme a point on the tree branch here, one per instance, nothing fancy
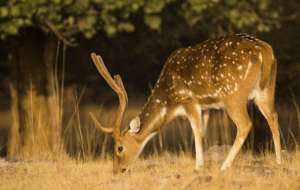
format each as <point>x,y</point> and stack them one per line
<point>58,34</point>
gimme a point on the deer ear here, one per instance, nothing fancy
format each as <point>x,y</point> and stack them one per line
<point>135,125</point>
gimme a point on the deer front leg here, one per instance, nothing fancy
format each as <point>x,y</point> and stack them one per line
<point>194,115</point>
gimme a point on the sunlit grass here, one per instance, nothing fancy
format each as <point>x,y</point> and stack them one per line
<point>166,163</point>
<point>167,171</point>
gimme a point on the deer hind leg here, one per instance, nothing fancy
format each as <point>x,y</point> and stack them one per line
<point>194,115</point>
<point>265,103</point>
<point>240,117</point>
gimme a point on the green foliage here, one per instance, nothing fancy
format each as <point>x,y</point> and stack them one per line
<point>232,15</point>
<point>87,17</point>
<point>68,17</point>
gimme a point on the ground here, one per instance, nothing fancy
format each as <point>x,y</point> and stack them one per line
<point>165,171</point>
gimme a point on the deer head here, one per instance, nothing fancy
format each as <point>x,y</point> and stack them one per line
<point>127,145</point>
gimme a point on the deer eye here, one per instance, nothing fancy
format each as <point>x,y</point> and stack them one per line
<point>120,148</point>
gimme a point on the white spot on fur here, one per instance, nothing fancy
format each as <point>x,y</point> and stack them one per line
<point>260,57</point>
<point>248,69</point>
<point>235,87</point>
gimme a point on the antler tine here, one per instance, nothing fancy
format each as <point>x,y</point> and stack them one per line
<point>100,126</point>
<point>117,85</point>
<point>98,62</point>
<point>119,81</point>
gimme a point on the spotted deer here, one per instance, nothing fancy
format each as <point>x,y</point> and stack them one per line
<point>222,73</point>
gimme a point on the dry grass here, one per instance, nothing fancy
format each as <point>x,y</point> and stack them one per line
<point>166,171</point>
<point>160,170</point>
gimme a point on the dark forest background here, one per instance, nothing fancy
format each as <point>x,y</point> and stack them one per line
<point>45,48</point>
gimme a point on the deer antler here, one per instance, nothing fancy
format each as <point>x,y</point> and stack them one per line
<point>117,85</point>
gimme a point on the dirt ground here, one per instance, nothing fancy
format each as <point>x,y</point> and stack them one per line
<point>165,171</point>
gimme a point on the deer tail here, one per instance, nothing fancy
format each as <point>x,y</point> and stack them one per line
<point>269,67</point>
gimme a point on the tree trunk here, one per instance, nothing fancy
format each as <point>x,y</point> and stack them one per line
<point>14,133</point>
<point>52,90</point>
<point>35,108</point>
<point>17,91</point>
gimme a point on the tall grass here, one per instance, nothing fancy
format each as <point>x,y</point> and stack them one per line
<point>80,139</point>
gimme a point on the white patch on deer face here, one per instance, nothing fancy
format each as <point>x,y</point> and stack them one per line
<point>135,125</point>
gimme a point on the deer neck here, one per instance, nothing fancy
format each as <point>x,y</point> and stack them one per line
<point>153,115</point>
